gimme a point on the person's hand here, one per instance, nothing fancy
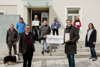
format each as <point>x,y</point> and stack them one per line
<point>7,43</point>
<point>94,43</point>
<point>62,43</point>
<point>69,42</point>
<point>20,53</point>
<point>15,43</point>
<point>45,36</point>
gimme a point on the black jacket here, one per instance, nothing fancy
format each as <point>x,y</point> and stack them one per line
<point>23,42</point>
<point>71,48</point>
<point>92,39</point>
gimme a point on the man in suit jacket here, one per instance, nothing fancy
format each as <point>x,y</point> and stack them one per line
<point>26,45</point>
<point>12,39</point>
<point>70,46</point>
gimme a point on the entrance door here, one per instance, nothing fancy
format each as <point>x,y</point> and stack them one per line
<point>43,14</point>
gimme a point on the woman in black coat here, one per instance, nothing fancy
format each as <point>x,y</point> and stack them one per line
<point>90,41</point>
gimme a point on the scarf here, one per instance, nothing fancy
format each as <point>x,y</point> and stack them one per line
<point>68,28</point>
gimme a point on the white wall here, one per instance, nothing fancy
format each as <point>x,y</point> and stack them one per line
<point>13,7</point>
<point>8,2</point>
<point>9,10</point>
<point>9,7</point>
<point>90,13</point>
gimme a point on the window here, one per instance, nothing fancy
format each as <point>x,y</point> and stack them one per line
<point>2,12</point>
<point>72,13</point>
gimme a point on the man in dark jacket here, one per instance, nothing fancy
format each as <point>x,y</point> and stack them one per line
<point>70,46</point>
<point>26,45</point>
<point>45,30</point>
<point>11,39</point>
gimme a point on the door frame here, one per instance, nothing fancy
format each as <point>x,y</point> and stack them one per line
<point>46,10</point>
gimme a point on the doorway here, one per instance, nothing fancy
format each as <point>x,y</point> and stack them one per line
<point>42,13</point>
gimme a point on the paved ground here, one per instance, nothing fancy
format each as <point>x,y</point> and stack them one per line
<point>80,62</point>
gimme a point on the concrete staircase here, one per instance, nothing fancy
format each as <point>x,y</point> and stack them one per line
<point>58,52</point>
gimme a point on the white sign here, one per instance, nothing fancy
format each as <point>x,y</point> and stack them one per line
<point>77,23</point>
<point>35,23</point>
<point>67,37</point>
<point>55,39</point>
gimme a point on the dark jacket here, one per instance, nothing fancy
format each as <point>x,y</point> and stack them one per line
<point>23,42</point>
<point>71,48</point>
<point>92,39</point>
<point>11,37</point>
<point>45,30</point>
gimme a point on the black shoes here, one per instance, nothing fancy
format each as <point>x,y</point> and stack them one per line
<point>90,58</point>
<point>47,51</point>
<point>94,59</point>
<point>42,52</point>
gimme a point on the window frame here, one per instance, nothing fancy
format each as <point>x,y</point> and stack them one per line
<point>73,7</point>
<point>2,12</point>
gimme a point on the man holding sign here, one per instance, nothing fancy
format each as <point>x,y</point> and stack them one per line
<point>35,26</point>
<point>71,35</point>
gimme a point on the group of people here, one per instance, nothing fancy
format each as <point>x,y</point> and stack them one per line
<point>27,39</point>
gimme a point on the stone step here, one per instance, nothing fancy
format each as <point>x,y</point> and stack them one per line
<point>37,58</point>
<point>79,54</point>
<point>56,57</point>
<point>58,46</point>
<point>59,53</point>
<point>62,50</point>
<point>45,57</point>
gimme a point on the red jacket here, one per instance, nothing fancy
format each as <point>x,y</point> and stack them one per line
<point>78,26</point>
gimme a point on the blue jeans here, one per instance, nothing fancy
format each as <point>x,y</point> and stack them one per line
<point>71,60</point>
<point>36,33</point>
<point>44,41</point>
<point>93,52</point>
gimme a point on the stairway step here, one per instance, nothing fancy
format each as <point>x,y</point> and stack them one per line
<point>62,50</point>
<point>47,57</point>
<point>59,53</point>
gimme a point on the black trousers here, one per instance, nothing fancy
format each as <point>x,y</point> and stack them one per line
<point>55,30</point>
<point>10,49</point>
<point>27,58</point>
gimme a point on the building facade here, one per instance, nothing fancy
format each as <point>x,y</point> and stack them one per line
<point>87,10</point>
